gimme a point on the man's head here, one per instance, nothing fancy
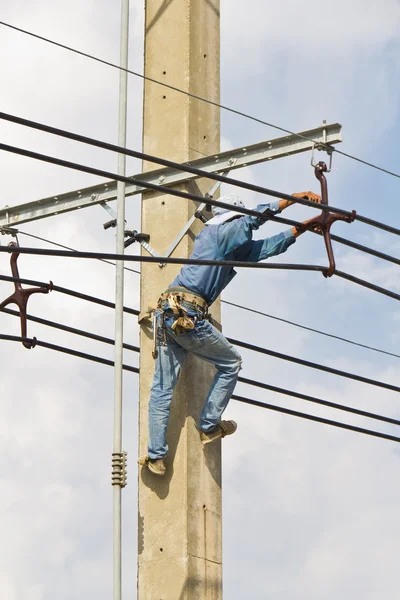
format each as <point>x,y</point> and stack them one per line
<point>222,215</point>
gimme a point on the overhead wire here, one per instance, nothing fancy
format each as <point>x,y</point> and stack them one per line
<point>313,330</point>
<point>191,261</point>
<point>62,349</point>
<point>66,291</point>
<point>160,188</point>
<point>132,369</point>
<point>197,97</point>
<point>301,415</point>
<point>313,365</point>
<point>41,239</point>
<point>252,382</point>
<point>239,343</point>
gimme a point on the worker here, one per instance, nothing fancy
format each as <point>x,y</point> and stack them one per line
<point>182,325</point>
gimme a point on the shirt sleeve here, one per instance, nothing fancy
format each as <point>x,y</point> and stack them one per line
<point>236,233</point>
<point>262,249</point>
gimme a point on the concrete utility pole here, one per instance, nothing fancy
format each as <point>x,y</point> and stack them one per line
<point>180,549</point>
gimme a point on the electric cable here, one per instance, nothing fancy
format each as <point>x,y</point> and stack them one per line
<point>295,413</point>
<point>66,291</point>
<point>36,342</point>
<point>308,398</point>
<point>168,163</point>
<point>287,411</point>
<point>37,237</point>
<point>259,349</point>
<point>342,339</point>
<point>196,97</point>
<point>89,335</point>
<point>191,261</point>
<point>313,365</point>
<point>330,335</point>
<point>68,329</point>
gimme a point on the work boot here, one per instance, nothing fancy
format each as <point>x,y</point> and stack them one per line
<point>155,465</point>
<point>221,430</point>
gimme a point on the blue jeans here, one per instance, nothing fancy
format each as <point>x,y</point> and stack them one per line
<point>209,344</point>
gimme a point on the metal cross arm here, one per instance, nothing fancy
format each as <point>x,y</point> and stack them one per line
<point>325,220</point>
<point>20,297</point>
<point>168,176</point>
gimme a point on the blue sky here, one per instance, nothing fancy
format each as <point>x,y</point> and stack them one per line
<point>310,512</point>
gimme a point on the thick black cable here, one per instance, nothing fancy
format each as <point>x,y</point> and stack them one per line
<point>330,335</point>
<point>244,380</point>
<point>313,365</point>
<point>37,237</point>
<point>196,97</point>
<point>295,413</point>
<point>73,330</point>
<point>308,398</point>
<point>36,342</point>
<point>66,291</point>
<point>287,411</point>
<point>168,163</point>
<point>191,261</point>
<point>342,339</point>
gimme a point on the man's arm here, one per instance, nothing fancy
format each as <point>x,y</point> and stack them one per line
<point>305,195</point>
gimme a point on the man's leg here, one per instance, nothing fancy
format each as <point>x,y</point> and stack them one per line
<point>168,365</point>
<point>209,344</point>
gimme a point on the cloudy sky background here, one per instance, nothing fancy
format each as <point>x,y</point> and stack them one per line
<point>310,512</point>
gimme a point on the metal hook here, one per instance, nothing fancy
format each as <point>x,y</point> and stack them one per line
<point>20,296</point>
<point>324,221</point>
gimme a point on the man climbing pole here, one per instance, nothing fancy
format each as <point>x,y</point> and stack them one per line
<point>182,325</point>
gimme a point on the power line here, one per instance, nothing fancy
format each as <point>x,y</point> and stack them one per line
<point>307,398</point>
<point>241,379</point>
<point>73,330</point>
<point>330,335</point>
<point>313,365</point>
<point>287,411</point>
<point>191,261</point>
<point>295,413</point>
<point>36,342</point>
<point>36,237</point>
<point>66,291</point>
<point>196,97</point>
<point>168,163</point>
<point>342,339</point>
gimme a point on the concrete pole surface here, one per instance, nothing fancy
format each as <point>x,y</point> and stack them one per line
<point>179,538</point>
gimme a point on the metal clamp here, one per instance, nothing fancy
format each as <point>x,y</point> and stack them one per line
<point>325,220</point>
<point>328,150</point>
<point>119,461</point>
<point>20,297</point>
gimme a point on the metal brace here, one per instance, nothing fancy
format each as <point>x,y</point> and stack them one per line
<point>325,220</point>
<point>131,234</point>
<point>20,296</point>
<point>199,214</point>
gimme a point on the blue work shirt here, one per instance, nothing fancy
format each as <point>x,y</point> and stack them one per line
<point>231,240</point>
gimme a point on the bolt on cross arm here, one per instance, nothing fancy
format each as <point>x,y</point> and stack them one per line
<point>20,297</point>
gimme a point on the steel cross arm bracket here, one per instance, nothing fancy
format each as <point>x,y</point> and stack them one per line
<point>105,192</point>
<point>131,234</point>
<point>21,296</point>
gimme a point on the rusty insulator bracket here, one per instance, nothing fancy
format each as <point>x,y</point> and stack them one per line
<point>325,220</point>
<point>20,297</point>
